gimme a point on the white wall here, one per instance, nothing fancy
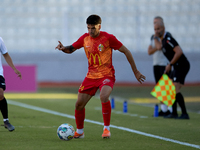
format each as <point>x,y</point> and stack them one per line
<point>61,67</point>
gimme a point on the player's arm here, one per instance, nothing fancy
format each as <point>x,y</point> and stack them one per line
<point>10,63</point>
<point>66,49</point>
<point>158,43</point>
<point>151,50</point>
<point>178,52</point>
<point>131,61</point>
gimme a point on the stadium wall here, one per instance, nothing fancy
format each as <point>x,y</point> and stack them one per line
<point>71,68</point>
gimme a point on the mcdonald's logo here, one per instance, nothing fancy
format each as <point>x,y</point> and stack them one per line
<point>95,58</point>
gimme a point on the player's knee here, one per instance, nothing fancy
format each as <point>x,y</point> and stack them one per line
<point>79,106</point>
<point>104,98</point>
<point>177,86</point>
<point>1,96</point>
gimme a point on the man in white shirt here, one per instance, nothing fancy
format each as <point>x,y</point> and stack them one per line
<point>3,102</point>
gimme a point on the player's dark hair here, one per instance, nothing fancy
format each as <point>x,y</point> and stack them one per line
<point>93,19</point>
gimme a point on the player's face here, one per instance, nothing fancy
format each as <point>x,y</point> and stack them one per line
<point>94,30</point>
<point>159,30</point>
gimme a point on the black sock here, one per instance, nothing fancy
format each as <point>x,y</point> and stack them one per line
<point>174,108</point>
<point>180,101</point>
<point>4,108</point>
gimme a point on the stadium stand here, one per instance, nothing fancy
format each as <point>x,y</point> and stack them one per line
<point>35,26</point>
<point>31,21</point>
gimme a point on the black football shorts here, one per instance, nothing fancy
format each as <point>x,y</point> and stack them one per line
<point>2,83</point>
<point>179,73</point>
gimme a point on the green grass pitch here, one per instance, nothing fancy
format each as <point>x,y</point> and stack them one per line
<point>37,129</point>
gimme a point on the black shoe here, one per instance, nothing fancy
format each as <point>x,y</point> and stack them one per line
<point>184,116</point>
<point>161,113</point>
<point>171,116</point>
<point>166,113</point>
<point>8,126</point>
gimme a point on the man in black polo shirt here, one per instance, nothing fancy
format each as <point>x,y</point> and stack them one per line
<point>177,59</point>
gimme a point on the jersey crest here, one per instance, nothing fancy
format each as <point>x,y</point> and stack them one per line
<point>101,47</point>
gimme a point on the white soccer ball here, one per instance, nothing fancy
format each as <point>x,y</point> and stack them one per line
<point>65,132</point>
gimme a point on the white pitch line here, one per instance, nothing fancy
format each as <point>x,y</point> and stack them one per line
<point>100,123</point>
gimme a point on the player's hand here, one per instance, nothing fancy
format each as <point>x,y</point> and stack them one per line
<point>60,46</point>
<point>18,73</point>
<point>140,77</point>
<point>167,69</point>
<point>156,35</point>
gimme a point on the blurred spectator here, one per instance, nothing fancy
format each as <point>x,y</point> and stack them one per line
<point>178,61</point>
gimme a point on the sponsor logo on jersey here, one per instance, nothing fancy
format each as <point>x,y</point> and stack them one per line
<point>170,43</point>
<point>94,59</point>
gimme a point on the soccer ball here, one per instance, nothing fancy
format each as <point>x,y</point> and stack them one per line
<point>65,132</point>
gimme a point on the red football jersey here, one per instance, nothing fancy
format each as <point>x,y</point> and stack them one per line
<point>99,53</point>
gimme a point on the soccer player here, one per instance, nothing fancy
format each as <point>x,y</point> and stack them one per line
<point>159,64</point>
<point>98,47</point>
<point>3,102</point>
<point>178,61</point>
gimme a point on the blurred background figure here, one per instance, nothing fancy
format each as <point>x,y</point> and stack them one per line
<point>159,64</point>
<point>3,101</point>
<point>178,60</point>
